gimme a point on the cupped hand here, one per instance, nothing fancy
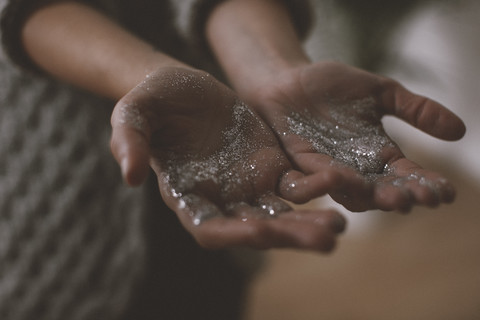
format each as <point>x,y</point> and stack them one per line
<point>328,117</point>
<point>219,166</point>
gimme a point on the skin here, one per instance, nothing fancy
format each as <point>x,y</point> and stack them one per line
<point>199,111</point>
<point>156,113</point>
<point>260,52</point>
<point>257,46</point>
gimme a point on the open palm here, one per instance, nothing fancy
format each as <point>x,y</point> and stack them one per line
<point>329,115</point>
<point>219,166</point>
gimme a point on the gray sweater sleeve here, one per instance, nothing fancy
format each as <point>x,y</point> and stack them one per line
<point>13,16</point>
<point>190,18</point>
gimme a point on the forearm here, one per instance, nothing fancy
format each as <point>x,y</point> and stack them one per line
<point>254,41</point>
<point>77,44</point>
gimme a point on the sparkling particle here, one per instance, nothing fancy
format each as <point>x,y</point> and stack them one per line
<point>220,168</point>
<point>350,136</point>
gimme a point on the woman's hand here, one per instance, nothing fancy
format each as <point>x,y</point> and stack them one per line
<point>219,166</point>
<point>328,115</point>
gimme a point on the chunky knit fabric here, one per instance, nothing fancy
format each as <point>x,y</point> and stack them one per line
<point>75,243</point>
<point>69,229</point>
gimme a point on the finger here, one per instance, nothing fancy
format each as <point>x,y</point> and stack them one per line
<point>267,206</point>
<point>333,178</point>
<point>423,192</point>
<point>352,201</point>
<point>409,184</point>
<point>300,188</point>
<point>389,197</point>
<point>312,162</point>
<point>336,173</point>
<point>329,218</point>
<point>264,234</point>
<point>192,209</point>
<point>423,113</point>
<point>130,146</point>
<point>131,150</point>
<point>270,206</point>
<point>427,187</point>
<point>212,229</point>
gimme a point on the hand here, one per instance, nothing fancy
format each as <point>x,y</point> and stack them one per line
<point>328,118</point>
<point>218,165</point>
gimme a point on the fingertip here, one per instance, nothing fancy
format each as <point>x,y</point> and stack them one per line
<point>339,223</point>
<point>459,130</point>
<point>449,126</point>
<point>288,187</point>
<point>425,114</point>
<point>443,191</point>
<point>333,220</point>
<point>448,194</point>
<point>325,244</point>
<point>389,198</point>
<point>299,188</point>
<point>134,174</point>
<point>314,237</point>
<point>131,151</point>
<point>462,129</point>
<point>330,246</point>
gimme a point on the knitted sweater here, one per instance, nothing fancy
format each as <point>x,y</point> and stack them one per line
<point>75,243</point>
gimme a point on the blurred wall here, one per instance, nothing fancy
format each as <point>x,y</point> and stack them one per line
<point>421,266</point>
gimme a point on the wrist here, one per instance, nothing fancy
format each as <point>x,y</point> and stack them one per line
<point>266,77</point>
<point>75,43</point>
<point>128,76</point>
<point>254,41</point>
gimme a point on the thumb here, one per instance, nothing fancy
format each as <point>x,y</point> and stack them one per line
<point>130,146</point>
<point>423,113</point>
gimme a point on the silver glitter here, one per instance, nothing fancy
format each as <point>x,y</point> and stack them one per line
<point>353,134</point>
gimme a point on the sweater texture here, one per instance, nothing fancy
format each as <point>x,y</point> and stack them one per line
<point>75,242</point>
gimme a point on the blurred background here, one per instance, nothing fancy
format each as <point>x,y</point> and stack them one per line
<point>424,265</point>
